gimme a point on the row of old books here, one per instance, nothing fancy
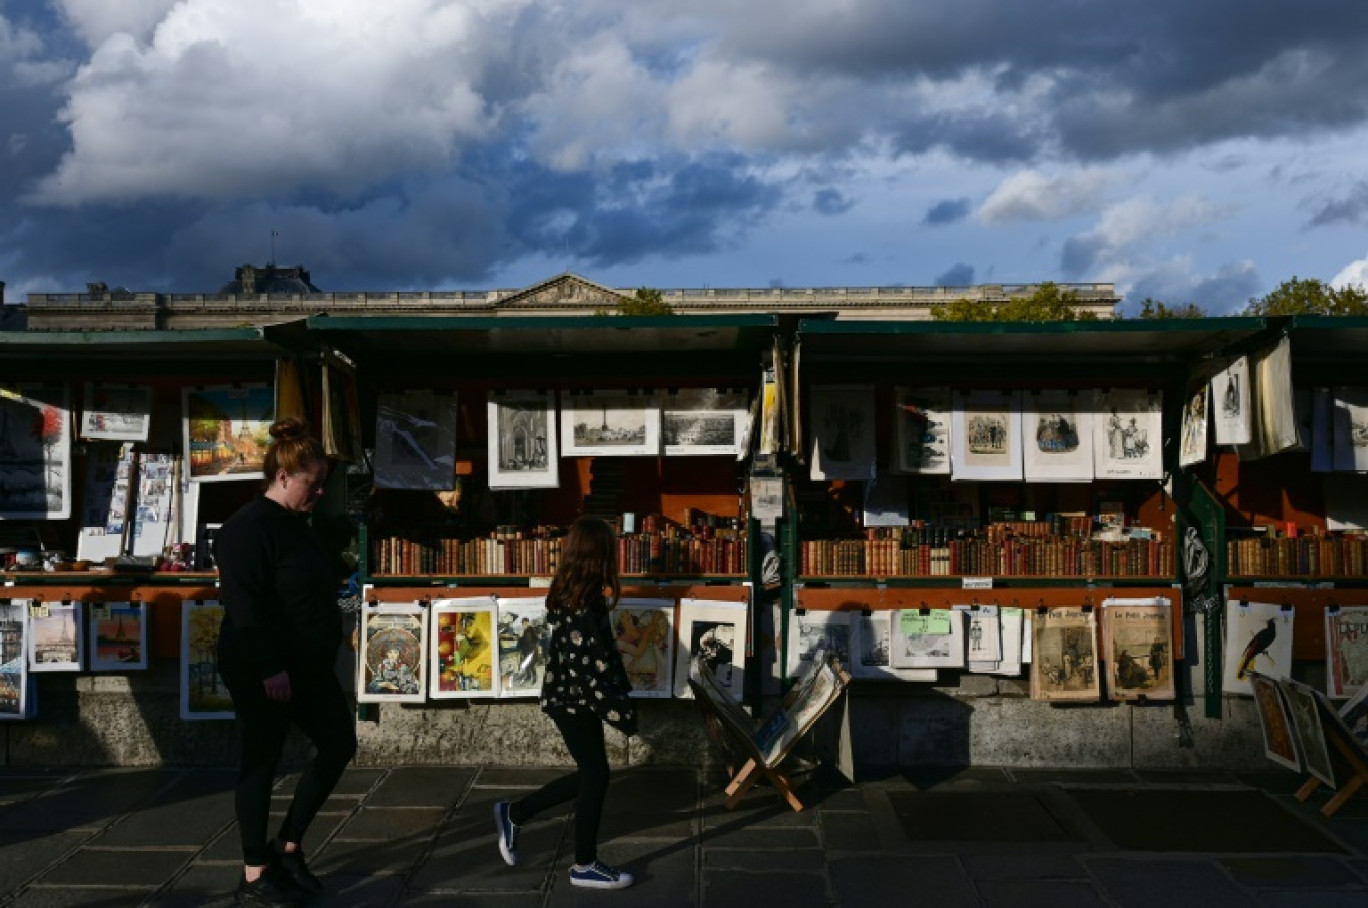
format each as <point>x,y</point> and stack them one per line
<point>922,533</point>
<point>647,553</point>
<point>1017,557</point>
<point>1311,556</point>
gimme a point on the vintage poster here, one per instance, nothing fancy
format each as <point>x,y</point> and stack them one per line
<point>933,639</point>
<point>522,440</point>
<point>463,649</point>
<point>985,435</point>
<point>1128,434</point>
<point>921,431</point>
<point>609,424</point>
<point>983,637</point>
<point>1346,650</point>
<point>1350,432</point>
<point>227,429</point>
<point>415,440</point>
<point>1064,665</point>
<point>811,631</point>
<point>1137,640</point>
<point>1304,710</point>
<point>643,632</point>
<point>1258,638</point>
<point>1056,428</point>
<point>35,453</point>
<point>116,412</point>
<point>696,421</point>
<point>393,653</point>
<point>55,636</point>
<point>524,640</point>
<point>1280,743</point>
<point>203,694</point>
<point>1232,408</point>
<point>870,636</point>
<point>841,423</point>
<point>14,677</point>
<point>118,636</point>
<point>717,631</point>
<point>1192,448</point>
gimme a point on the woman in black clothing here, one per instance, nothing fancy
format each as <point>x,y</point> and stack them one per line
<point>585,685</point>
<point>277,649</point>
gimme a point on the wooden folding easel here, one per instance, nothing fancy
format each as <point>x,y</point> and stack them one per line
<point>1353,756</point>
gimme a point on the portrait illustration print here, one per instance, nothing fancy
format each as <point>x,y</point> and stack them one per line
<point>643,632</point>
<point>393,652</point>
<point>985,435</point>
<point>1057,426</point>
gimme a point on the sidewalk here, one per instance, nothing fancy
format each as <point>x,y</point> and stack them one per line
<point>948,838</point>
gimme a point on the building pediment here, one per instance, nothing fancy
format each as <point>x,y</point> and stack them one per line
<point>568,292</point>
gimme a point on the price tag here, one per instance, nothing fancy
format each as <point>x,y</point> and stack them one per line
<point>938,622</point>
<point>977,583</point>
<point>38,610</point>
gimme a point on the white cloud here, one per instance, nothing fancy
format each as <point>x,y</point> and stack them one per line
<point>1355,273</point>
<point>1142,219</point>
<point>1030,195</point>
<point>97,20</point>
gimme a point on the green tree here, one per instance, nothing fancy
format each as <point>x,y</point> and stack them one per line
<point>1047,303</point>
<point>1309,296</point>
<point>646,301</point>
<point>1154,309</point>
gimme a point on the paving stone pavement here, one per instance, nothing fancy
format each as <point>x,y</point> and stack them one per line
<point>948,837</point>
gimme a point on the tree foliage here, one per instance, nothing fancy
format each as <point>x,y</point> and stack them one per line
<point>1309,296</point>
<point>646,301</point>
<point>1047,303</point>
<point>1151,308</point>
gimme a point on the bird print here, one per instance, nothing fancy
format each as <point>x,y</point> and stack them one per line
<point>1258,644</point>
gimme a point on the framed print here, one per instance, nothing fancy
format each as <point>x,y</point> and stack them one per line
<point>35,453</point>
<point>934,639</point>
<point>116,412</point>
<point>341,429</point>
<point>983,637</point>
<point>203,695</point>
<point>1064,657</point>
<point>14,676</point>
<point>810,631</point>
<point>718,632</point>
<point>842,428</point>
<point>524,638</point>
<point>118,636</point>
<point>1128,434</point>
<point>1056,429</point>
<point>393,653</point>
<point>703,421</point>
<point>1137,645</point>
<point>1346,650</point>
<point>1258,638</point>
<point>1280,743</point>
<point>1350,433</point>
<point>55,637</point>
<point>870,636</point>
<point>464,648</point>
<point>921,431</point>
<point>985,435</point>
<point>1192,447</point>
<point>609,424</point>
<point>415,441</point>
<point>1304,711</point>
<point>522,440</point>
<point>1232,410</point>
<point>227,429</point>
<point>643,632</point>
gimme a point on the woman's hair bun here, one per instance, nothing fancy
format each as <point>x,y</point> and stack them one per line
<point>291,428</point>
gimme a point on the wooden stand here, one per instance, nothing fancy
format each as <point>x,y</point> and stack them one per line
<point>1354,759</point>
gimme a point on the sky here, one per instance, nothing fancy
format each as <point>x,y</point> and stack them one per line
<point>1188,152</point>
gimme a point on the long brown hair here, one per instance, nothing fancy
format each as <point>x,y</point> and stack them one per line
<point>292,448</point>
<point>588,563</point>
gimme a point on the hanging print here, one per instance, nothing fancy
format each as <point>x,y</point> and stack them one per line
<point>1193,448</point>
<point>1231,404</point>
<point>1057,436</point>
<point>1128,434</point>
<point>55,637</point>
<point>842,427</point>
<point>812,631</point>
<point>921,431</point>
<point>697,421</point>
<point>393,653</point>
<point>118,636</point>
<point>522,440</point>
<point>227,430</point>
<point>14,677</point>
<point>35,453</point>
<point>1350,433</point>
<point>1258,638</point>
<point>463,648</point>
<point>643,632</point>
<point>1064,658</point>
<point>116,412</point>
<point>871,649</point>
<point>415,441</point>
<point>1346,650</point>
<point>716,631</point>
<point>524,641</point>
<point>1137,640</point>
<point>985,435</point>
<point>931,640</point>
<point>203,695</point>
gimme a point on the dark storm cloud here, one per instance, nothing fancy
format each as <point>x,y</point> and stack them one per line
<point>1079,253</point>
<point>947,212</point>
<point>1352,209</point>
<point>958,275</point>
<point>830,202</point>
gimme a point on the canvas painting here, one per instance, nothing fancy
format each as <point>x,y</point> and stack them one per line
<point>1231,404</point>
<point>1258,638</point>
<point>35,453</point>
<point>1137,640</point>
<point>985,435</point>
<point>810,631</point>
<point>463,646</point>
<point>1280,743</point>
<point>921,431</point>
<point>55,637</point>
<point>1354,716</point>
<point>203,695</point>
<point>716,631</point>
<point>341,429</point>
<point>1128,434</point>
<point>393,653</point>
<point>871,649</point>
<point>931,640</point>
<point>643,632</point>
<point>1193,446</point>
<point>524,640</point>
<point>14,677</point>
<point>116,412</point>
<point>118,636</point>
<point>1010,620</point>
<point>983,637</point>
<point>841,419</point>
<point>415,441</point>
<point>1065,653</point>
<point>609,424</point>
<point>1346,650</point>
<point>696,421</point>
<point>1304,710</point>
<point>522,440</point>
<point>226,430</point>
<point>1350,433</point>
<point>1056,428</point>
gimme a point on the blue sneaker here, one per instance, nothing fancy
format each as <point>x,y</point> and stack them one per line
<point>508,833</point>
<point>599,875</point>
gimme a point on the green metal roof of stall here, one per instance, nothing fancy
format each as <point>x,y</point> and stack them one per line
<point>1329,338</point>
<point>138,345</point>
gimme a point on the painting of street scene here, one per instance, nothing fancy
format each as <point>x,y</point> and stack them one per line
<point>203,693</point>
<point>35,454</point>
<point>13,658</point>
<point>227,431</point>
<point>524,639</point>
<point>118,636</point>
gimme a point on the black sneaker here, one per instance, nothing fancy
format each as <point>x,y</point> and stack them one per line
<point>292,863</point>
<point>274,889</point>
<point>599,875</point>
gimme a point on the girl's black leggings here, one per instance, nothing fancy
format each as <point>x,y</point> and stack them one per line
<point>586,786</point>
